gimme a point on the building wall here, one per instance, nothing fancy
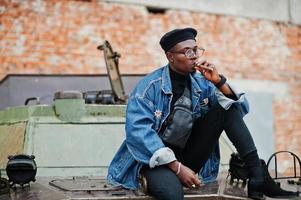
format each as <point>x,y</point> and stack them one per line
<point>61,37</point>
<point>274,10</point>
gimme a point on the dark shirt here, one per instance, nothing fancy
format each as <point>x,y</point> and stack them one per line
<point>178,82</point>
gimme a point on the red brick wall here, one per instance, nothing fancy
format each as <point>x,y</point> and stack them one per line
<point>60,37</point>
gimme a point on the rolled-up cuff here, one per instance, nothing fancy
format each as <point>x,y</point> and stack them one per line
<point>226,102</point>
<point>162,156</point>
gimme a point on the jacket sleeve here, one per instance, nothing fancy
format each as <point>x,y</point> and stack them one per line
<point>142,140</point>
<point>227,102</point>
<point>216,96</point>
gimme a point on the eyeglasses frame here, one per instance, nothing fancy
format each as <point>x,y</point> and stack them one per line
<point>187,56</point>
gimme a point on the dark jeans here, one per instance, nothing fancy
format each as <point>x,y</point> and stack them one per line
<point>164,184</point>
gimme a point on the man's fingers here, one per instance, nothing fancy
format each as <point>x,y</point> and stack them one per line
<point>197,182</point>
<point>202,67</point>
<point>189,184</point>
<point>188,178</point>
<point>194,182</point>
<point>207,67</point>
<point>200,62</point>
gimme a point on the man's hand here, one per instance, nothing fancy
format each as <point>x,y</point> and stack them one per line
<point>187,176</point>
<point>210,73</point>
<point>208,70</point>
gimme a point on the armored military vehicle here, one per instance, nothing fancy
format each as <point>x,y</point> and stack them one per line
<point>73,140</point>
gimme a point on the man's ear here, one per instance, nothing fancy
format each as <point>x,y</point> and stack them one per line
<point>170,57</point>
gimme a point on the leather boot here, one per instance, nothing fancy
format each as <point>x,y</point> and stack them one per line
<point>261,184</point>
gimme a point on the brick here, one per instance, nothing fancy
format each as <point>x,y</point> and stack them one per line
<point>62,38</point>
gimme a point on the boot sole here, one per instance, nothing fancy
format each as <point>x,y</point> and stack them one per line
<point>256,195</point>
<point>284,197</point>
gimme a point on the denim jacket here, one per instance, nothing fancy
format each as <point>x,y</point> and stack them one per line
<point>148,107</point>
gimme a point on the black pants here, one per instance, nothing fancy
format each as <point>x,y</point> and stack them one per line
<point>164,184</point>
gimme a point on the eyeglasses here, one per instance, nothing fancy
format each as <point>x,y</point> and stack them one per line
<point>191,53</point>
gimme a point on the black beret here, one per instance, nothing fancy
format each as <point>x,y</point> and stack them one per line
<point>175,36</point>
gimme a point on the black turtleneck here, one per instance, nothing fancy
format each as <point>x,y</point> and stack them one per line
<point>178,82</point>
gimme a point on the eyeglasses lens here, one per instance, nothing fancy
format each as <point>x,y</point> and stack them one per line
<point>192,53</point>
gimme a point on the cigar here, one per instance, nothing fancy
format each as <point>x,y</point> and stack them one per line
<point>204,67</point>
